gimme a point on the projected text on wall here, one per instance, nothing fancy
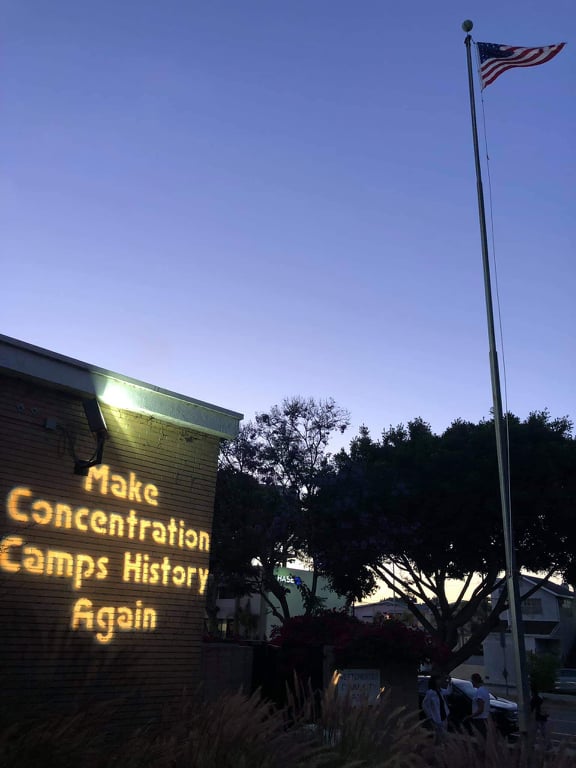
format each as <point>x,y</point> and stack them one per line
<point>166,563</point>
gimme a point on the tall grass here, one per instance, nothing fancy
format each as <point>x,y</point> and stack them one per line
<point>379,736</point>
<point>495,752</point>
<point>239,731</point>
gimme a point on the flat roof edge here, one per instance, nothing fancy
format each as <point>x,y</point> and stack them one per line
<point>20,359</point>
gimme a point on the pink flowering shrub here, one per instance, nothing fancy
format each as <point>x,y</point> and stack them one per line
<point>355,642</point>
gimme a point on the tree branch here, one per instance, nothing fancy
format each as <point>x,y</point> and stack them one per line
<point>410,606</point>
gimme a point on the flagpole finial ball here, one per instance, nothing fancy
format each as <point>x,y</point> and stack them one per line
<point>467,25</point>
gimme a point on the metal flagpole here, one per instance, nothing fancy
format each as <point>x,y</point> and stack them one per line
<point>501,443</point>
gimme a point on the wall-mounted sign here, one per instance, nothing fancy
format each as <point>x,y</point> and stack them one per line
<point>359,686</point>
<point>124,509</point>
<point>103,577</point>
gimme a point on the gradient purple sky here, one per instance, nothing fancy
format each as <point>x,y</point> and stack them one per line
<point>245,200</point>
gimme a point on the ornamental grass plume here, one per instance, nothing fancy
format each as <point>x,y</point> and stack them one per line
<point>236,731</point>
<point>361,736</point>
<point>378,736</point>
<point>53,742</point>
<point>461,749</point>
<point>239,731</point>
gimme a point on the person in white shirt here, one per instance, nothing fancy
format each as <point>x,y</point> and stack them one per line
<point>436,708</point>
<point>480,705</point>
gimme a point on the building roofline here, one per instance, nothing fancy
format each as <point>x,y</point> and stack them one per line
<point>550,586</point>
<point>26,361</point>
<point>393,600</point>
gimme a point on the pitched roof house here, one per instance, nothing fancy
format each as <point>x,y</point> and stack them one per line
<point>549,620</point>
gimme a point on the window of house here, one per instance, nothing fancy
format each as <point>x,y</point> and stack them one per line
<point>532,606</point>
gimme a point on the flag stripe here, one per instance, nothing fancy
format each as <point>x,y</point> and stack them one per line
<point>496,59</point>
<point>492,69</point>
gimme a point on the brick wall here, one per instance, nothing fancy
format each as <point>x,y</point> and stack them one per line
<point>226,668</point>
<point>102,579</point>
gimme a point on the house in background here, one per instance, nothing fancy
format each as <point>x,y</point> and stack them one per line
<point>391,608</point>
<point>251,617</point>
<point>549,619</point>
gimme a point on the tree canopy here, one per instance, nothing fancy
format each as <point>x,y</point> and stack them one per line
<point>416,510</point>
<point>266,480</point>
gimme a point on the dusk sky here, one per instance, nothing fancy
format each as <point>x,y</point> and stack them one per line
<point>245,200</point>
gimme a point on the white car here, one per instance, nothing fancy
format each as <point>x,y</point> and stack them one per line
<point>504,713</point>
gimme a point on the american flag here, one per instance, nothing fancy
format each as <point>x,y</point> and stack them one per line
<point>495,58</point>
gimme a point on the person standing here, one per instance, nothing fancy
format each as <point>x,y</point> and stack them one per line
<point>436,707</point>
<point>540,717</point>
<point>480,705</point>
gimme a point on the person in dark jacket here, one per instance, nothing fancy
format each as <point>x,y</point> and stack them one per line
<point>436,707</point>
<point>540,717</point>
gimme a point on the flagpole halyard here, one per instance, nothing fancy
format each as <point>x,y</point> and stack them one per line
<point>512,580</point>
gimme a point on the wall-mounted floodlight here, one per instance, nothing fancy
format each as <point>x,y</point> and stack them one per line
<point>94,416</point>
<point>98,427</point>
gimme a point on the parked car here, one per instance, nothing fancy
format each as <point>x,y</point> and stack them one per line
<point>504,713</point>
<point>565,681</point>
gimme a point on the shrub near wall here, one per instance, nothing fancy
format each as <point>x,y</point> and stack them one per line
<point>102,578</point>
<point>390,646</point>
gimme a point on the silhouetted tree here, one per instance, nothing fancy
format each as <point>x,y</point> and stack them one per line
<point>419,512</point>
<point>267,478</point>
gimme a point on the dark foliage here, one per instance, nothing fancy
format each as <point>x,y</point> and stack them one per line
<point>417,510</point>
<point>266,481</point>
<point>353,642</point>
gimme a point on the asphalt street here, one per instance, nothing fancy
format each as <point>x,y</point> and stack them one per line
<point>562,722</point>
<point>562,711</point>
